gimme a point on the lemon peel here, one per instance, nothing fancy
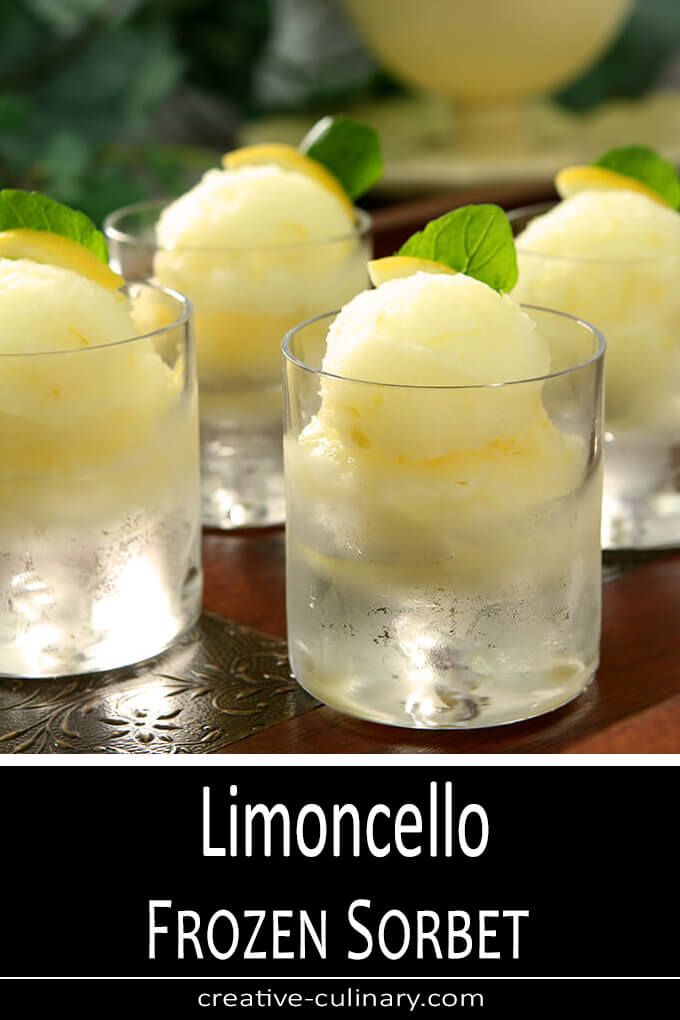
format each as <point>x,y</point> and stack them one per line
<point>289,158</point>
<point>396,267</point>
<point>55,250</point>
<point>574,179</point>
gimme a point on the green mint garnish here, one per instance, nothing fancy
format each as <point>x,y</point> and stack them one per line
<point>29,210</point>
<point>476,240</point>
<point>645,165</point>
<point>350,150</point>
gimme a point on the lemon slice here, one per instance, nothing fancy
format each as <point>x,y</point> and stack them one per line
<point>290,158</point>
<point>573,179</point>
<point>396,267</point>
<point>55,250</point>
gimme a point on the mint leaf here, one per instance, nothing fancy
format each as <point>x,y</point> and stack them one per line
<point>476,240</point>
<point>645,165</point>
<point>29,210</point>
<point>350,150</point>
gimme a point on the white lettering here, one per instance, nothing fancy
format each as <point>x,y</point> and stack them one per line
<point>361,929</point>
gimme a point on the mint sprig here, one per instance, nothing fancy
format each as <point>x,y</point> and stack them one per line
<point>644,165</point>
<point>476,240</point>
<point>29,210</point>
<point>350,150</point>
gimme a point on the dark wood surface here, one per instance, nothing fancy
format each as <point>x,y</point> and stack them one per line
<point>634,705</point>
<point>392,225</point>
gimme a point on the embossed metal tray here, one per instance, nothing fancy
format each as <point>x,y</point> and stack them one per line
<point>221,682</point>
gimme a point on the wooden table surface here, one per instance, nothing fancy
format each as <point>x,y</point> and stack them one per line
<point>634,705</point>
<point>632,708</point>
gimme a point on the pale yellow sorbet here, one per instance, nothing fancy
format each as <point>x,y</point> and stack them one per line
<point>69,402</point>
<point>613,258</point>
<point>605,225</point>
<point>424,472</point>
<point>257,249</point>
<point>254,205</point>
<point>49,308</point>
<point>432,331</point>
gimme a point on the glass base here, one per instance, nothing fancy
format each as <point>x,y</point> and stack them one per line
<point>97,599</point>
<point>641,499</point>
<point>242,470</point>
<point>453,643</point>
<point>495,701</point>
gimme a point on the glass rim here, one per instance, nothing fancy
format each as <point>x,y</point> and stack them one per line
<point>530,212</point>
<point>598,355</point>
<point>183,319</point>
<point>361,229</point>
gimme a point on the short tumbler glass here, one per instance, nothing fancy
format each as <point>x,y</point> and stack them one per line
<point>457,591</point>
<point>245,298</point>
<point>636,303</point>
<point>99,497</point>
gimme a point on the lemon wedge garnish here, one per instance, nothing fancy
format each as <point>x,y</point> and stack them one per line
<point>290,158</point>
<point>55,250</point>
<point>573,179</point>
<point>396,267</point>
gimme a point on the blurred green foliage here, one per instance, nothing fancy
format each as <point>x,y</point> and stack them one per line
<point>221,42</point>
<point>632,64</point>
<point>77,75</point>
<point>82,82</point>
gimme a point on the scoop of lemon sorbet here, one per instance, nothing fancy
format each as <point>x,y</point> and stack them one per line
<point>250,206</point>
<point>435,331</point>
<point>240,245</point>
<point>416,454</point>
<point>612,258</point>
<point>49,308</point>
<point>605,225</point>
<point>67,398</point>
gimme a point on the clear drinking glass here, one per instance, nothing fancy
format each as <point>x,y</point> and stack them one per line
<point>459,591</point>
<point>641,499</point>
<point>99,497</point>
<point>244,299</point>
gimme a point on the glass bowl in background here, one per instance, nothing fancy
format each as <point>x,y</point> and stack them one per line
<point>244,299</point>
<point>488,56</point>
<point>99,497</point>
<point>487,51</point>
<point>636,303</point>
<point>459,591</point>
